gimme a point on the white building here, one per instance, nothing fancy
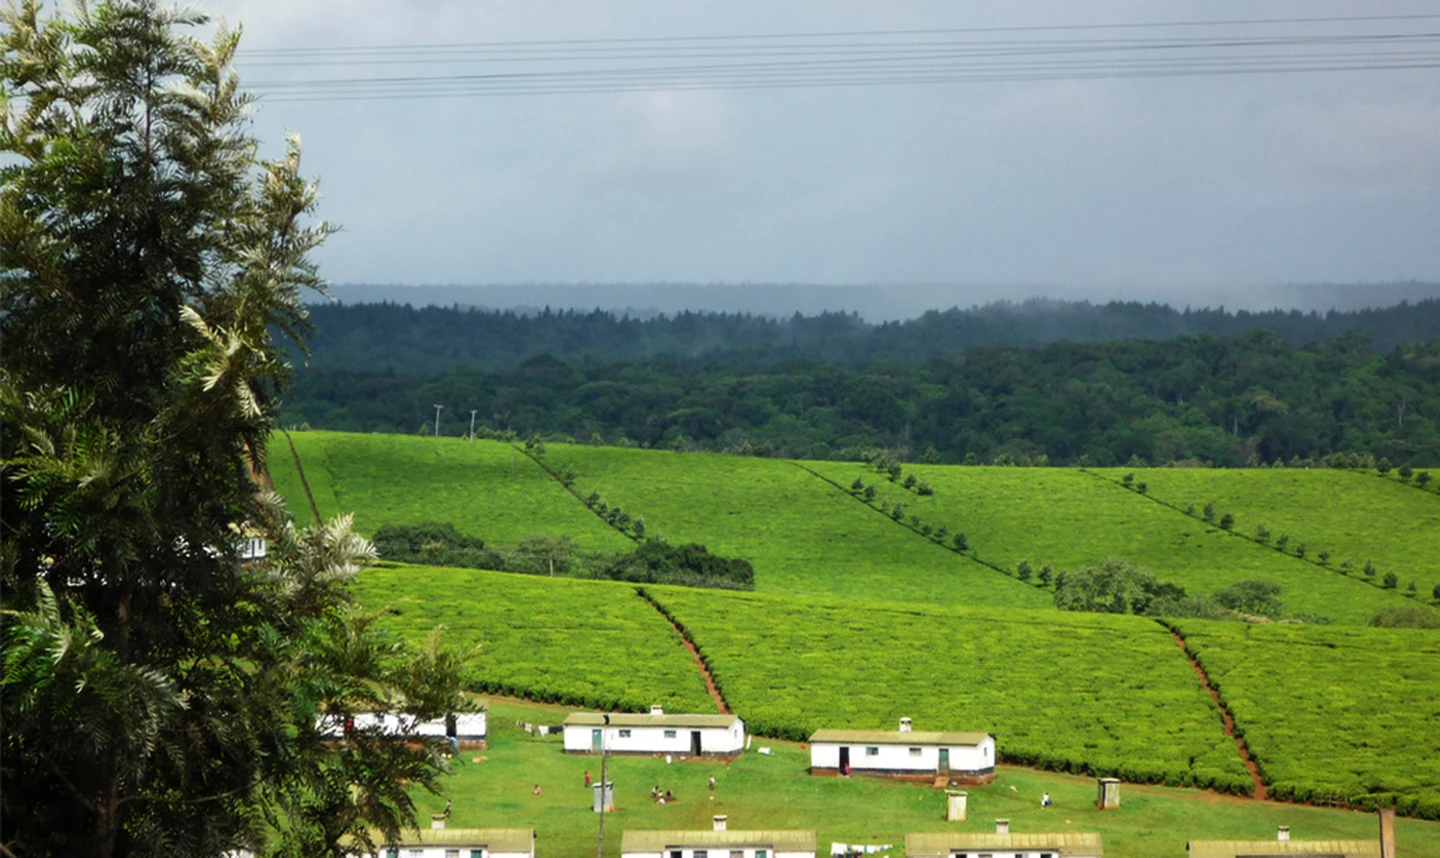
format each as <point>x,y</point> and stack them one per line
<point>719,843</point>
<point>467,728</point>
<point>458,843</point>
<point>967,758</point>
<point>655,733</point>
<point>1003,844</point>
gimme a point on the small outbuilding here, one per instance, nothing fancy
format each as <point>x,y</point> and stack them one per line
<point>954,757</point>
<point>656,733</point>
<point>459,843</point>
<point>718,843</point>
<point>1064,844</point>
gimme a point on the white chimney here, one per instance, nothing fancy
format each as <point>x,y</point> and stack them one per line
<point>437,821</point>
<point>1002,826</point>
<point>1282,833</point>
<point>720,822</point>
<point>657,710</point>
<point>904,725</point>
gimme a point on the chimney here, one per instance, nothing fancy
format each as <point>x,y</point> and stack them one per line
<point>904,725</point>
<point>1387,833</point>
<point>720,822</point>
<point>437,821</point>
<point>1282,833</point>
<point>1002,826</point>
<point>657,710</point>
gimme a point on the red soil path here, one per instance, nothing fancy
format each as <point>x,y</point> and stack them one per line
<point>1228,719</point>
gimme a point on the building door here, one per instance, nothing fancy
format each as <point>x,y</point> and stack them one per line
<point>944,759</point>
<point>596,739</point>
<point>695,742</point>
<point>844,760</point>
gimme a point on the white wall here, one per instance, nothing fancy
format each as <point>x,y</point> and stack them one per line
<point>438,852</point>
<point>467,725</point>
<point>717,852</point>
<point>652,740</point>
<point>963,758</point>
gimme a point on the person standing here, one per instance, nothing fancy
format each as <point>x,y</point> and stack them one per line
<point>587,777</point>
<point>1045,800</point>
<point>712,783</point>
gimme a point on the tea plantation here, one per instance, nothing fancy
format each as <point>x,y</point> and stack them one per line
<point>1068,518</point>
<point>583,643</point>
<point>1353,516</point>
<point>1332,713</point>
<point>1103,694</point>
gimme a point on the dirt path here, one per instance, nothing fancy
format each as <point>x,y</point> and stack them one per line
<point>1228,719</point>
<point>694,652</point>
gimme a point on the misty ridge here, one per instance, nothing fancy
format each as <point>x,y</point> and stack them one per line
<point>402,339</point>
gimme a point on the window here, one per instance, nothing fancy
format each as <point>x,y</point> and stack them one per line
<point>452,853</point>
<point>675,853</point>
<point>737,853</point>
<point>669,734</point>
<point>392,852</point>
<point>872,751</point>
<point>624,734</point>
<point>477,853</point>
<point>760,853</point>
<point>701,853</point>
<point>914,752</point>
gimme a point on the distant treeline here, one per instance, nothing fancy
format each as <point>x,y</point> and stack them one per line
<point>397,339</point>
<point>1231,400</point>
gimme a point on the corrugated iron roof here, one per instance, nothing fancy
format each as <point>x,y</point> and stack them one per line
<point>633,719</point>
<point>1062,843</point>
<point>1276,848</point>
<point>895,737</point>
<point>661,841</point>
<point>493,839</point>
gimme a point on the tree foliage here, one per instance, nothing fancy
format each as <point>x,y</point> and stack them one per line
<point>160,695</point>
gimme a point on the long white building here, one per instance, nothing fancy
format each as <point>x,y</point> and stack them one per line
<point>655,733</point>
<point>966,758</point>
<point>459,843</point>
<point>1003,844</point>
<point>719,843</point>
<point>469,729</point>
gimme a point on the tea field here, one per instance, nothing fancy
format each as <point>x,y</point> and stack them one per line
<point>1069,519</point>
<point>1350,515</point>
<point>584,643</point>
<point>486,489</point>
<point>801,536</point>
<point>1105,694</point>
<point>1332,713</point>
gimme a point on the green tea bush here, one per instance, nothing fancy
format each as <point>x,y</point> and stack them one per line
<point>1331,713</point>
<point>1103,695</point>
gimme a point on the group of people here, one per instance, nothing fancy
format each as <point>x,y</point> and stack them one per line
<point>661,797</point>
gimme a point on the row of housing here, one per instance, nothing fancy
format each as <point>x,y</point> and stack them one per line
<point>723,842</point>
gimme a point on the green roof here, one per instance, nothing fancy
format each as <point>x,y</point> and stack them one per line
<point>632,719</point>
<point>492,839</point>
<point>661,841</point>
<point>896,737</point>
<point>1278,848</point>
<point>1062,843</point>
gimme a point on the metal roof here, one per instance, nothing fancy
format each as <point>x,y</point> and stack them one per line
<point>896,737</point>
<point>945,843</point>
<point>632,719</point>
<point>493,839</point>
<point>1269,848</point>
<point>661,841</point>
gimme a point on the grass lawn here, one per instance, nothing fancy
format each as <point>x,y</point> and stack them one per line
<point>801,536</point>
<point>1068,519</point>
<point>590,643</point>
<point>759,791</point>
<point>486,488</point>
<point>1352,515</point>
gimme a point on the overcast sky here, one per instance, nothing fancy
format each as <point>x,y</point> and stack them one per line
<point>1177,187</point>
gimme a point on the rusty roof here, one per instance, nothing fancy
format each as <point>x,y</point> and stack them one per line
<point>1278,848</point>
<point>661,841</point>
<point>1064,843</point>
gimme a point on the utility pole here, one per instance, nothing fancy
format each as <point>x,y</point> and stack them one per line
<point>600,845</point>
<point>472,424</point>
<point>437,420</point>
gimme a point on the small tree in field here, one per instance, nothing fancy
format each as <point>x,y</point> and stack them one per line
<point>1282,541</point>
<point>1369,569</point>
<point>1412,589</point>
<point>1141,488</point>
<point>1406,472</point>
<point>1422,479</point>
<point>1435,593</point>
<point>1227,521</point>
<point>1391,580</point>
<point>941,533</point>
<point>1383,466</point>
<point>1208,512</point>
<point>869,493</point>
<point>924,489</point>
<point>909,481</point>
<point>1300,550</point>
<point>1128,479</point>
<point>1046,574</point>
<point>959,541</point>
<point>1324,556</point>
<point>1262,532</point>
<point>1024,572</point>
<point>858,485</point>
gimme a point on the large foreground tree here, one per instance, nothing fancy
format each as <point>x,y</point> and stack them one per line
<point>159,695</point>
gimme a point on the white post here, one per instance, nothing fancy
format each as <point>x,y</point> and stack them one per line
<point>437,420</point>
<point>472,424</point>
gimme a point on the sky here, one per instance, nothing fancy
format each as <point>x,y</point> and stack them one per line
<point>1184,188</point>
